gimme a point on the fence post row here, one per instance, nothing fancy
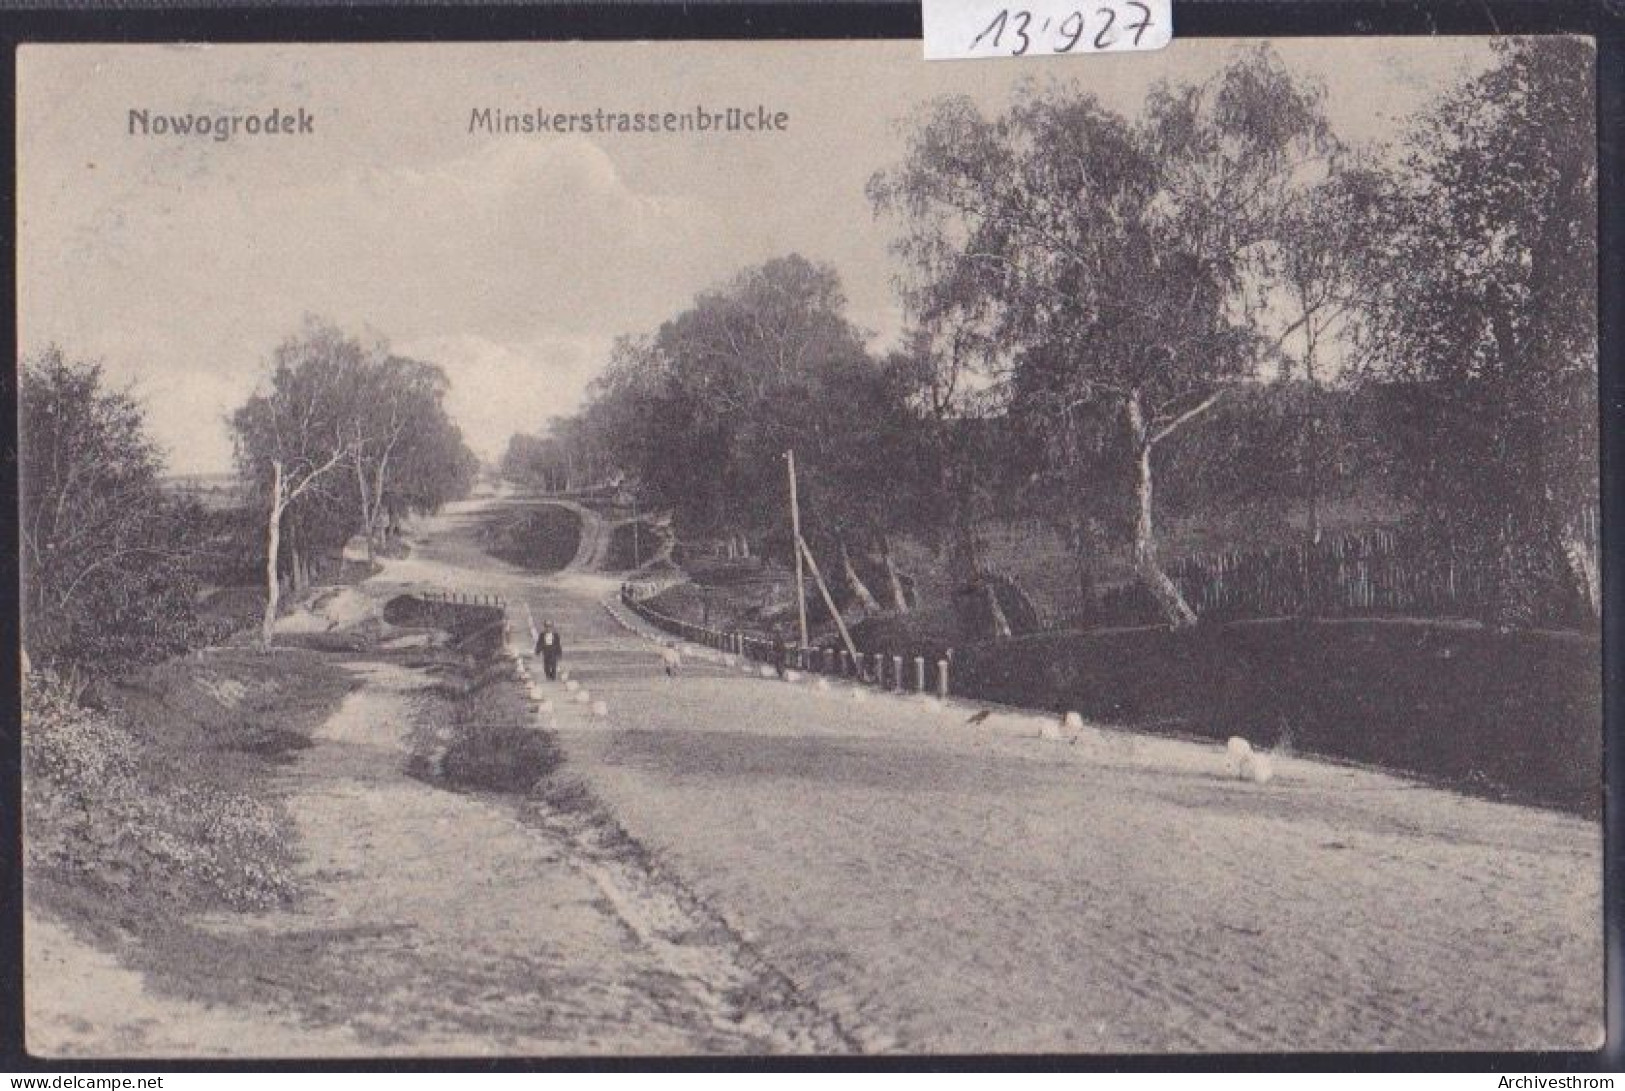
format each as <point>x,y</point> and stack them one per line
<point>867,667</point>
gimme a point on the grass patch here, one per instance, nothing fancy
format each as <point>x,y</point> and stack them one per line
<point>1513,716</point>
<point>479,734</point>
<point>498,758</point>
<point>538,539</point>
<point>199,713</point>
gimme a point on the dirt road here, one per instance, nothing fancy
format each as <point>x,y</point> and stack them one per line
<point>809,870</point>
<point>939,887</point>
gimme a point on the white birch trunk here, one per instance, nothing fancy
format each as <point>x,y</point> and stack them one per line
<point>1146,565</point>
<point>273,538</point>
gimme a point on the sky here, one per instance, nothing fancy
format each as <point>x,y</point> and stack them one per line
<point>511,260</point>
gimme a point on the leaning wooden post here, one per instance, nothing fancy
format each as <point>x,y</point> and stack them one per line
<point>795,530</point>
<point>823,590</point>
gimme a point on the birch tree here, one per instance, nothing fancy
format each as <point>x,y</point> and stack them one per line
<point>396,419</point>
<point>1121,248</point>
<point>297,435</point>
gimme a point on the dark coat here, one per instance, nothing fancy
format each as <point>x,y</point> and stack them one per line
<point>549,651</point>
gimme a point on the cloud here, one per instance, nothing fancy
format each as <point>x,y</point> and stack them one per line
<point>513,266</point>
<point>499,388</point>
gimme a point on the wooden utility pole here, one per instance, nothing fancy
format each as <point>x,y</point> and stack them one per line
<point>637,554</point>
<point>795,529</point>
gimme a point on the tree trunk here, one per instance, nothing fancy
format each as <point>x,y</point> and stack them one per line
<point>1001,624</point>
<point>377,501</point>
<point>369,514</point>
<point>1146,566</point>
<point>1083,546</point>
<point>963,563</point>
<point>1314,436</point>
<point>865,597</point>
<point>899,600</point>
<point>273,538</point>
<point>1581,553</point>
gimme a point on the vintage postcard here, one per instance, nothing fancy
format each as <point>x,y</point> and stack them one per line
<point>763,548</point>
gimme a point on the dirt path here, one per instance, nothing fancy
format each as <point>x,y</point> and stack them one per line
<point>436,923</point>
<point>595,531</point>
<point>83,1003</point>
<point>443,925</point>
<point>440,924</point>
<point>941,887</point>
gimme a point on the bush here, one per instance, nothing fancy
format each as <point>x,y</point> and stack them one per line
<point>648,540</point>
<point>498,758</point>
<point>96,817</point>
<point>110,562</point>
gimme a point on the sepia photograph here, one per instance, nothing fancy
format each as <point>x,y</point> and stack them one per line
<point>770,548</point>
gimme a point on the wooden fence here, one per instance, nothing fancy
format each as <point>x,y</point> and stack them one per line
<point>446,608</point>
<point>1370,574</point>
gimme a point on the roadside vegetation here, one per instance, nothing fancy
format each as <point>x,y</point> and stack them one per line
<point>1251,336</point>
<point>537,538</point>
<point>154,802</point>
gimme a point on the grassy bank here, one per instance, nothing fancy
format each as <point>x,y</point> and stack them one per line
<point>540,538</point>
<point>1512,716</point>
<point>1515,716</point>
<point>157,802</point>
<point>632,544</point>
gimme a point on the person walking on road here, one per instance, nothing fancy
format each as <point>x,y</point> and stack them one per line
<point>781,656</point>
<point>550,648</point>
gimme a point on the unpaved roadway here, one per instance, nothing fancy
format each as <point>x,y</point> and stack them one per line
<point>779,868</point>
<point>936,886</point>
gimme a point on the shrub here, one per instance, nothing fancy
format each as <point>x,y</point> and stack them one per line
<point>498,758</point>
<point>109,560</point>
<point>542,539</point>
<point>95,816</point>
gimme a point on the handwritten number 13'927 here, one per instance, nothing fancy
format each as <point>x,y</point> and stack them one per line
<point>1070,31</point>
